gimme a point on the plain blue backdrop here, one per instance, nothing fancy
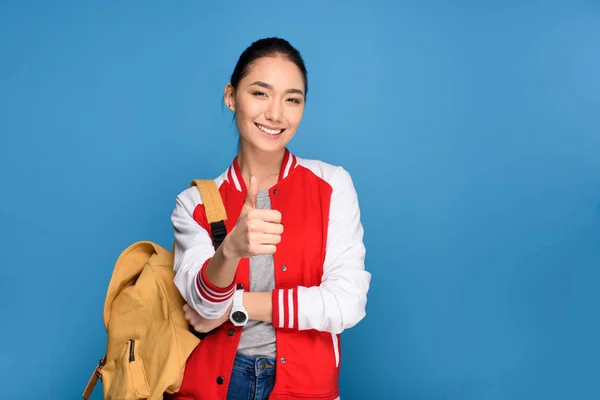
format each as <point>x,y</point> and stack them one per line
<point>471,130</point>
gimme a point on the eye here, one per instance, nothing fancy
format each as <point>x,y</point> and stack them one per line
<point>295,100</point>
<point>259,94</point>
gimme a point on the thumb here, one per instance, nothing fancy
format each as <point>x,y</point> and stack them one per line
<point>252,193</point>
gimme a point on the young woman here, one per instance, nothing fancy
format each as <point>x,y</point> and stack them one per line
<point>290,275</point>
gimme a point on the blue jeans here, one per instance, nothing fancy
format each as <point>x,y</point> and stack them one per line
<point>251,378</point>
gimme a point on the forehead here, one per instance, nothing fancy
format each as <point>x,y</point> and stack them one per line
<point>277,71</point>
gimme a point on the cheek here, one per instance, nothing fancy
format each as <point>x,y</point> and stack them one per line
<point>295,118</point>
<point>249,112</point>
<point>244,117</point>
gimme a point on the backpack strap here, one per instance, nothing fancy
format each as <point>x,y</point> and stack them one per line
<point>216,216</point>
<point>94,379</point>
<point>214,209</point>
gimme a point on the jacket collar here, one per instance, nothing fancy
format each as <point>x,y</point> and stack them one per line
<point>234,174</point>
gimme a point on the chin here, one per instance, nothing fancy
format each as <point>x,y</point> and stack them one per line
<point>273,146</point>
<point>267,144</point>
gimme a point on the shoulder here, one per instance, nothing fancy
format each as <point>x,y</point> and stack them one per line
<point>190,197</point>
<point>335,175</point>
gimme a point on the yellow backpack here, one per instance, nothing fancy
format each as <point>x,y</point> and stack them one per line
<point>148,338</point>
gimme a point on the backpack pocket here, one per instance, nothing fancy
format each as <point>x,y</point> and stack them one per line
<point>128,375</point>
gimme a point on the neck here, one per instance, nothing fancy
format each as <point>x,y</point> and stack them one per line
<point>264,166</point>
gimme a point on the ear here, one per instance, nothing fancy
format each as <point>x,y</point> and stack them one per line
<point>229,96</point>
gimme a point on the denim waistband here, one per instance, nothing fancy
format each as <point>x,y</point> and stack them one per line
<point>259,366</point>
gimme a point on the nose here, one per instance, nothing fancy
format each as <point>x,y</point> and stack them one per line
<point>274,111</point>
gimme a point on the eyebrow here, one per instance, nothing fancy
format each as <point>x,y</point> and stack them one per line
<point>267,86</point>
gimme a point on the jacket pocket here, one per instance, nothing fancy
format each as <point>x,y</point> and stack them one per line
<point>128,380</point>
<point>336,349</point>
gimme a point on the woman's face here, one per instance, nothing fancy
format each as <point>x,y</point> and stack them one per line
<point>269,103</point>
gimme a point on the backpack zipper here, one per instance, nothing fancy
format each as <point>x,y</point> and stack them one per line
<point>131,350</point>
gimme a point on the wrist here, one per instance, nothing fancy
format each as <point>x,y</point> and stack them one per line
<point>228,251</point>
<point>258,305</point>
<point>220,271</point>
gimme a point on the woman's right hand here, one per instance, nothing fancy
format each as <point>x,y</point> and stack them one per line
<point>256,231</point>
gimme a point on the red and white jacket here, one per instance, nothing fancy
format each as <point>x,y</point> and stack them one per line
<point>321,283</point>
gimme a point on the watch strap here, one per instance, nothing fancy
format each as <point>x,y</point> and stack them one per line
<point>238,299</point>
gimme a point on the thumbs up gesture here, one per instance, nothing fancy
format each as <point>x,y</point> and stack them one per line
<point>256,231</point>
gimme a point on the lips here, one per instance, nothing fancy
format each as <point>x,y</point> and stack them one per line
<point>269,130</point>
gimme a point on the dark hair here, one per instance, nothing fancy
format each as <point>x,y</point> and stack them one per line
<point>267,47</point>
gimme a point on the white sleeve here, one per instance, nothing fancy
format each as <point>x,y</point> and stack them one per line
<point>193,251</point>
<point>339,302</point>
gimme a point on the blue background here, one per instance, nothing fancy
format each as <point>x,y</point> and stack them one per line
<point>471,130</point>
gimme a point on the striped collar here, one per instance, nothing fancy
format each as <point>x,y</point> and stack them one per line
<point>234,174</point>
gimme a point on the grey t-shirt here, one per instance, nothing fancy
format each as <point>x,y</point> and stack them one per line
<point>258,338</point>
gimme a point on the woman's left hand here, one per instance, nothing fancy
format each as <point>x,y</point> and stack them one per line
<point>201,324</point>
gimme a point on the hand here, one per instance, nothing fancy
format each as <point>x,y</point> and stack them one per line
<point>201,324</point>
<point>256,231</point>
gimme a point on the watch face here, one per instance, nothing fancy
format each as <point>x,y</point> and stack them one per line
<point>238,317</point>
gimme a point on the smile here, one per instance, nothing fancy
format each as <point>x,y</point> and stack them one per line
<point>269,131</point>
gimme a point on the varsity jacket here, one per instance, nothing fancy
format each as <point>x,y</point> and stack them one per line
<point>321,283</point>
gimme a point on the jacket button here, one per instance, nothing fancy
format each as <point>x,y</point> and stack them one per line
<point>276,191</point>
<point>220,380</point>
<point>283,360</point>
<point>231,332</point>
<point>240,286</point>
<point>284,268</point>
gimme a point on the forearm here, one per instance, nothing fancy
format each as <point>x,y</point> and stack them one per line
<point>259,306</point>
<point>220,271</point>
<point>214,284</point>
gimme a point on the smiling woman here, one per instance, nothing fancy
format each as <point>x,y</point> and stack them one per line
<point>290,276</point>
<point>267,96</point>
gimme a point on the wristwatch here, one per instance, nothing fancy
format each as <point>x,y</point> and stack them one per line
<point>238,315</point>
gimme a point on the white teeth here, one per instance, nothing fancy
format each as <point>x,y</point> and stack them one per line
<point>269,131</point>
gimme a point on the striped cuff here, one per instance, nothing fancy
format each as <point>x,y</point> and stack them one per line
<point>285,308</point>
<point>208,291</point>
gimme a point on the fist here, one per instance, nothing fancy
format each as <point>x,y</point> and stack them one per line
<point>256,231</point>
<point>201,324</point>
